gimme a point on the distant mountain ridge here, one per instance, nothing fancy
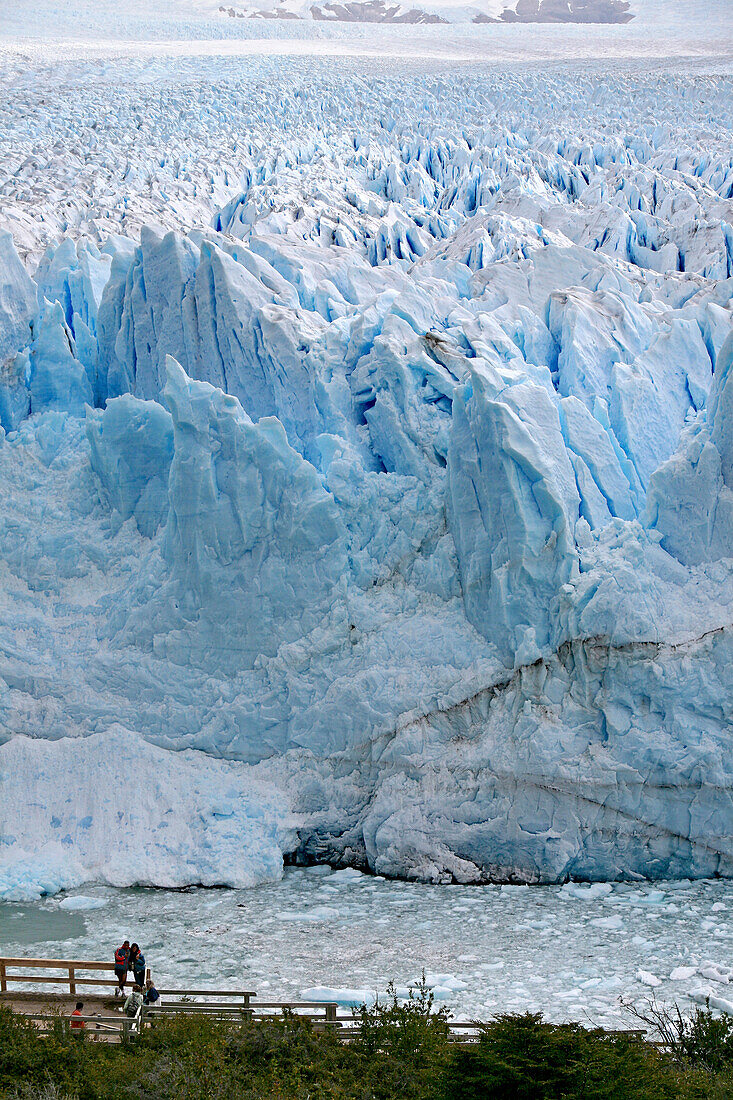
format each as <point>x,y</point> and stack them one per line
<point>381,11</point>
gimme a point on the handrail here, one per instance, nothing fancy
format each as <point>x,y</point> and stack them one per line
<point>72,967</point>
<point>208,992</point>
<point>125,1026</point>
<point>56,964</point>
<point>215,1006</point>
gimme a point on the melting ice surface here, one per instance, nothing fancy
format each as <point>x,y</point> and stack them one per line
<point>366,463</point>
<point>570,951</point>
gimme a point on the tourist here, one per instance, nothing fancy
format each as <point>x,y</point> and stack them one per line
<point>122,965</point>
<point>137,964</point>
<point>151,995</point>
<point>76,1023</point>
<point>134,1001</point>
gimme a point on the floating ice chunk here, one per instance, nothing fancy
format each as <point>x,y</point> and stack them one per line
<point>647,897</point>
<point>349,997</point>
<point>647,978</point>
<point>709,998</point>
<point>591,892</point>
<point>347,876</point>
<point>714,972</point>
<point>613,924</point>
<point>683,973</point>
<point>309,916</point>
<point>444,983</point>
<point>82,902</point>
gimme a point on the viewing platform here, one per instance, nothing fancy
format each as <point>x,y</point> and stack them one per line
<point>104,1019</point>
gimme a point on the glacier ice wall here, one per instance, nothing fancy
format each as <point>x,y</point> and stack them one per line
<point>190,816</point>
<point>401,494</point>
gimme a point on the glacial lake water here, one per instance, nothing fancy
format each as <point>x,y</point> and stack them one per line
<point>569,952</point>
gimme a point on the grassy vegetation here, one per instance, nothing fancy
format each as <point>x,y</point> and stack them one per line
<point>404,1052</point>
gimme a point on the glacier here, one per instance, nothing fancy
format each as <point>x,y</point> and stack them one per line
<point>383,516</point>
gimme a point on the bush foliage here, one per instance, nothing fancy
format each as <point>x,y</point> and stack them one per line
<point>404,1051</point>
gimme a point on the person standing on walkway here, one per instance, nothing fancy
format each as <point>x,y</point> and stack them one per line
<point>137,962</point>
<point>122,965</point>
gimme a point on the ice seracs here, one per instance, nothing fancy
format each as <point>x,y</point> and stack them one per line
<point>690,500</point>
<point>401,493</point>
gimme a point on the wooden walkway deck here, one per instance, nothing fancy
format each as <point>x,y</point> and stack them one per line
<point>105,1020</point>
<point>103,1016</point>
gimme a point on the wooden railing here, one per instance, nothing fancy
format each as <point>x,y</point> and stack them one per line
<point>225,1004</point>
<point>245,995</point>
<point>322,1013</point>
<point>109,1028</point>
<point>72,978</point>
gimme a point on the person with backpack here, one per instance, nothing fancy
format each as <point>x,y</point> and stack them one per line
<point>122,965</point>
<point>137,963</point>
<point>134,1001</point>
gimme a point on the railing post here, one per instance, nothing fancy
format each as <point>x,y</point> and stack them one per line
<point>72,983</point>
<point>331,1014</point>
<point>3,980</point>
<point>125,1031</point>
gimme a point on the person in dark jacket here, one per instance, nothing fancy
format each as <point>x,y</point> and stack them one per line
<point>122,965</point>
<point>137,963</point>
<point>151,995</point>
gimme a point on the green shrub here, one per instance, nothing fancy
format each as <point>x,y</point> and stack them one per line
<point>404,1052</point>
<point>707,1040</point>
<point>700,1039</point>
<point>520,1057</point>
<point>403,1046</point>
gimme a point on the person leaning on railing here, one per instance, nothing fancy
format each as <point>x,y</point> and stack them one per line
<point>137,964</point>
<point>122,965</point>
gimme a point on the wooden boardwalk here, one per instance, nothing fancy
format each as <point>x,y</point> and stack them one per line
<point>103,1016</point>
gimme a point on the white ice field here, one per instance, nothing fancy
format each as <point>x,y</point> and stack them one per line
<point>443,274</point>
<point>570,952</point>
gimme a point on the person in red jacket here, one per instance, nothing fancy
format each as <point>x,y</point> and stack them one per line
<point>76,1024</point>
<point>122,965</point>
